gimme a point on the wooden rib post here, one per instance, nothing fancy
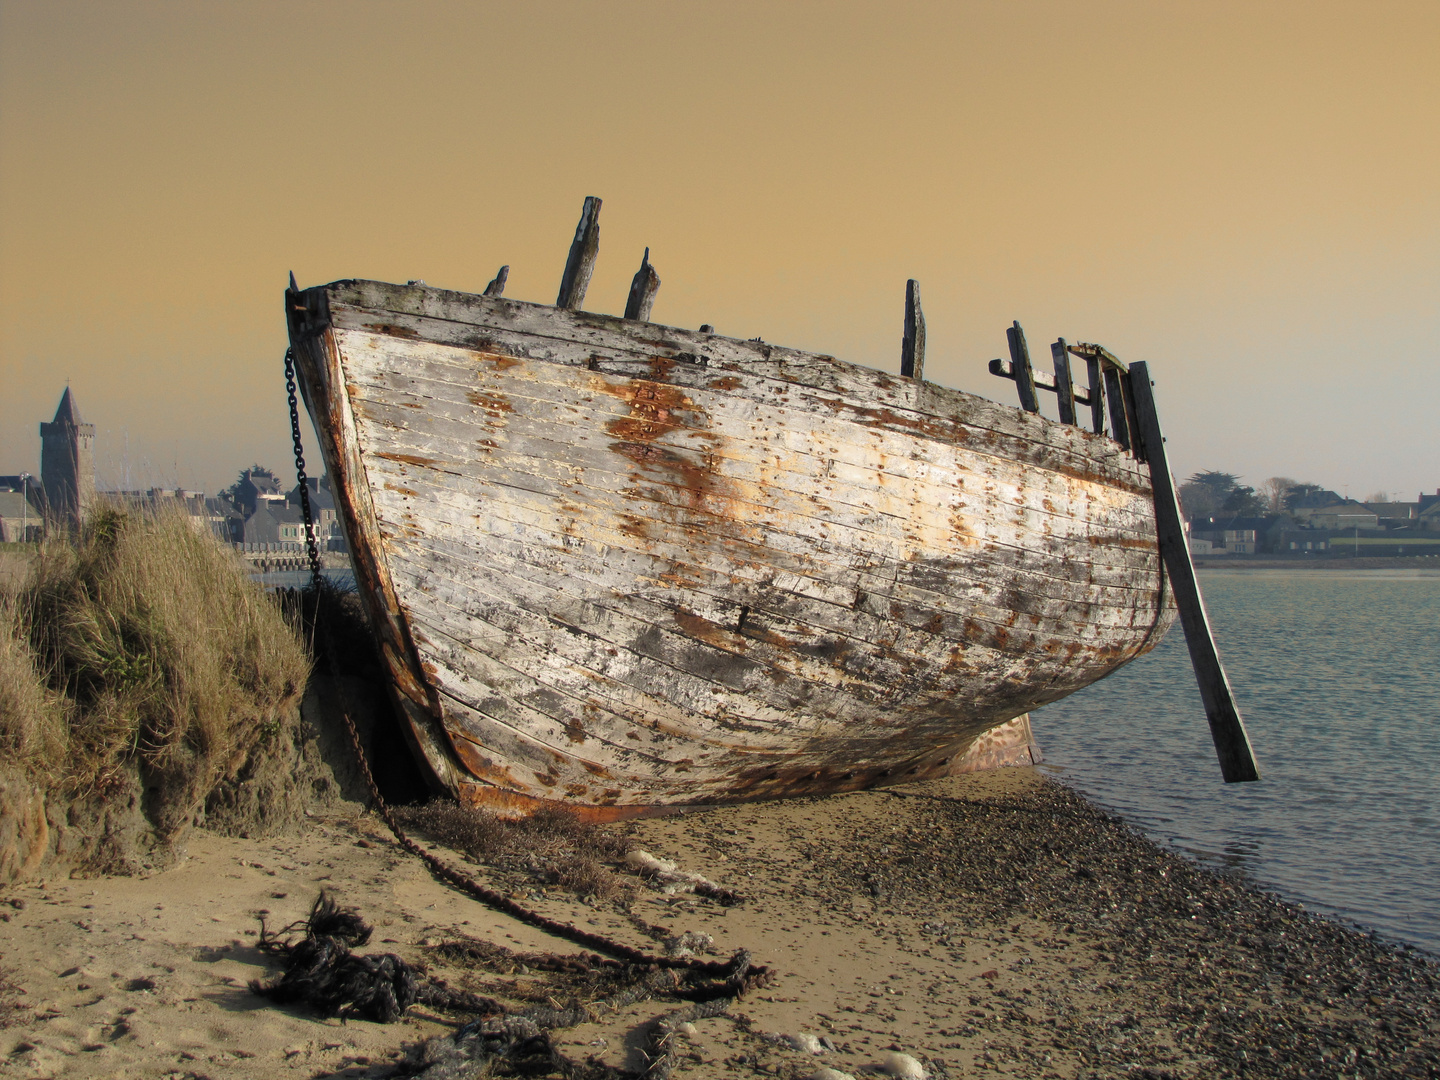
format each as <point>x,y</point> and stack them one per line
<point>1119,421</point>
<point>1064,386</point>
<point>581,263</point>
<point>497,286</point>
<point>642,291</point>
<point>912,346</point>
<point>1024,373</point>
<point>1227,729</point>
<point>1097,394</point>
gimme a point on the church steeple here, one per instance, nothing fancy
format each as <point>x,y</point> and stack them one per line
<point>67,463</point>
<point>67,413</point>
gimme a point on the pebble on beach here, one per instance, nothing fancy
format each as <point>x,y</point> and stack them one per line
<point>806,1043</point>
<point>829,1074</point>
<point>645,863</point>
<point>903,1066</point>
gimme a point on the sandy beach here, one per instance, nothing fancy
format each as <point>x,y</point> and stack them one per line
<point>992,924</point>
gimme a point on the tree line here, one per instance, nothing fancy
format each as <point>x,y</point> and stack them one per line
<point>1212,493</point>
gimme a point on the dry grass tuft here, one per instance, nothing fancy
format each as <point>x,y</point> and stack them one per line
<point>551,842</point>
<point>141,641</point>
<point>34,720</point>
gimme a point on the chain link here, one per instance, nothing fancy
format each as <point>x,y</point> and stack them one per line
<point>312,549</point>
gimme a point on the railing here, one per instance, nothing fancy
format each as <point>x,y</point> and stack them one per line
<point>262,547</point>
<point>1108,378</point>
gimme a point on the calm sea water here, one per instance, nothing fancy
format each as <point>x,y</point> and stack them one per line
<point>1337,674</point>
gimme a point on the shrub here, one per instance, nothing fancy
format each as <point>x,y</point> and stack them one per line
<point>141,642</point>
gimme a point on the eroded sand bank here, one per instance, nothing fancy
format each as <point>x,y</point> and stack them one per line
<point>990,924</point>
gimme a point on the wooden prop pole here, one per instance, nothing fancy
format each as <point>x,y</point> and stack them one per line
<point>1227,729</point>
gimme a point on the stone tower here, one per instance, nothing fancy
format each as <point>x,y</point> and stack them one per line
<point>67,463</point>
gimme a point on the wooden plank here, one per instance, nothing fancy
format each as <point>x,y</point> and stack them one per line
<point>1024,372</point>
<point>757,485</point>
<point>497,285</point>
<point>1064,385</point>
<point>1119,419</point>
<point>1097,395</point>
<point>581,262</point>
<point>912,346</point>
<point>1006,370</point>
<point>1227,729</point>
<point>642,291</point>
<point>539,332</point>
<point>948,419</point>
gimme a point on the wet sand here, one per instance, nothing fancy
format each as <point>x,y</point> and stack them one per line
<point>994,924</point>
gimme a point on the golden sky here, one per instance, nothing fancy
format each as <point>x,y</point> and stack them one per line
<point>1246,195</point>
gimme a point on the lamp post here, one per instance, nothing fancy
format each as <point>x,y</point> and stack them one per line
<point>24,507</point>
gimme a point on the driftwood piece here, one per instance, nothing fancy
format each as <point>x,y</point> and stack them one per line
<point>642,291</point>
<point>1227,729</point>
<point>1064,385</point>
<point>1024,373</point>
<point>497,286</point>
<point>581,262</point>
<point>912,347</point>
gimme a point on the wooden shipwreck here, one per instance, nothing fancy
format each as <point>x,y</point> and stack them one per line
<point>621,566</point>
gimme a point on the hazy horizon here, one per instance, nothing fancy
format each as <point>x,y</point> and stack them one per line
<point>1243,196</point>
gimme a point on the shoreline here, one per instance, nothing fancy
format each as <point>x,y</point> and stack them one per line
<point>1260,562</point>
<point>993,923</point>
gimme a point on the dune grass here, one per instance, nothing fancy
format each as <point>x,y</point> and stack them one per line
<point>141,642</point>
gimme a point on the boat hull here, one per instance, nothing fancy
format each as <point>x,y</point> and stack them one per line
<point>620,566</point>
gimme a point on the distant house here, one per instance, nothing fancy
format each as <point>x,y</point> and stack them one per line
<point>323,513</point>
<point>1306,541</point>
<point>1429,518</point>
<point>256,487</point>
<point>261,527</point>
<point>1347,514</point>
<point>1237,535</point>
<point>27,483</point>
<point>20,519</point>
<point>284,523</point>
<point>1395,513</point>
<point>1301,508</point>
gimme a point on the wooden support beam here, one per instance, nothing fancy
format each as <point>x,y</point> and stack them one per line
<point>581,262</point>
<point>643,288</point>
<point>497,286</point>
<point>1097,396</point>
<point>1005,370</point>
<point>1020,365</point>
<point>1097,352</point>
<point>1064,385</point>
<point>912,346</point>
<point>1119,424</point>
<point>1227,729</point>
